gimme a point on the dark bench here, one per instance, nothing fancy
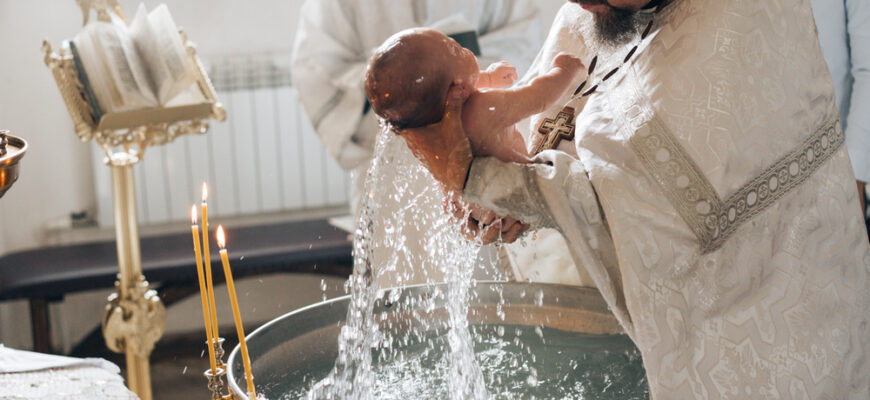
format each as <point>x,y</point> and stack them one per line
<point>48,274</point>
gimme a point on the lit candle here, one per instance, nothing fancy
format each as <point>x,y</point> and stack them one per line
<point>203,295</point>
<point>208,278</point>
<point>240,330</point>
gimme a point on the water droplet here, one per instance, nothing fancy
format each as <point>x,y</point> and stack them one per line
<point>533,378</point>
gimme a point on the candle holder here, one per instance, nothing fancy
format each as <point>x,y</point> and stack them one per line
<point>219,352</point>
<point>12,149</point>
<point>135,317</point>
<point>217,380</point>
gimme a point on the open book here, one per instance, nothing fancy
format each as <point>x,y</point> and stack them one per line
<point>129,68</point>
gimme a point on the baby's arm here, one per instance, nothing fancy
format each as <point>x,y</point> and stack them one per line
<point>498,75</point>
<point>500,108</point>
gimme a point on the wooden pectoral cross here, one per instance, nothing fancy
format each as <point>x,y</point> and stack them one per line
<point>555,130</point>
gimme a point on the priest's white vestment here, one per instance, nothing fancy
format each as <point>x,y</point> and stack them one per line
<point>710,197</point>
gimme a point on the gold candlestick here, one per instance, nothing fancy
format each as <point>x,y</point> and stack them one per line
<point>240,330</point>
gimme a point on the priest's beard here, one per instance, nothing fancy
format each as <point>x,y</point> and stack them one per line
<point>616,27</point>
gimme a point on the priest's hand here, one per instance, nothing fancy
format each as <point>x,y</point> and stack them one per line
<point>445,151</point>
<point>477,222</point>
<point>443,147</point>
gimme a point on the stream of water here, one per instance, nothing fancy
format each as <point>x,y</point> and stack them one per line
<point>352,378</point>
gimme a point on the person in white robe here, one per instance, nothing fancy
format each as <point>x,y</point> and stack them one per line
<point>844,31</point>
<point>334,43</point>
<point>707,191</point>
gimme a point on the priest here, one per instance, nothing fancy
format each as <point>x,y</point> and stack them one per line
<point>699,175</point>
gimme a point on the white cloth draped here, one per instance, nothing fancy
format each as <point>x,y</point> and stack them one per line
<point>29,375</point>
<point>12,360</point>
<point>711,200</point>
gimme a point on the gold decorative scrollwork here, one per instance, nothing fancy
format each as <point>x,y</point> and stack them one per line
<point>135,320</point>
<point>102,7</point>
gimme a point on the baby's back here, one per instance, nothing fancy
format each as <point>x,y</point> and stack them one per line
<point>488,137</point>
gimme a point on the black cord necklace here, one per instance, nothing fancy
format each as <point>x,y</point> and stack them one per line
<point>561,127</point>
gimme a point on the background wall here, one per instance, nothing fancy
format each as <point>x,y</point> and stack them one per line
<point>56,176</point>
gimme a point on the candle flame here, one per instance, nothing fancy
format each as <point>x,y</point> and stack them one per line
<point>221,238</point>
<point>193,214</point>
<point>204,192</point>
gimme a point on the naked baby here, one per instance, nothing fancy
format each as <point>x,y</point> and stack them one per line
<point>410,75</point>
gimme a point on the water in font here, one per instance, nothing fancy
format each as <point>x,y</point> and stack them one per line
<point>518,362</point>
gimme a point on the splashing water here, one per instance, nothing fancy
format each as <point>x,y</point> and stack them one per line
<point>352,377</point>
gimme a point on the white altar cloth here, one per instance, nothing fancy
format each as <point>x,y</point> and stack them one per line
<point>35,376</point>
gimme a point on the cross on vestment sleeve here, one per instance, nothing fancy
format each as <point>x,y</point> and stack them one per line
<point>554,130</point>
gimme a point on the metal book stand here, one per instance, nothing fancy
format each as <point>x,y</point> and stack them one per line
<point>135,317</point>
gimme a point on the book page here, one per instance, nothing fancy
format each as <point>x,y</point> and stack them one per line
<point>98,86</point>
<point>131,70</point>
<point>115,71</point>
<point>159,42</point>
<point>140,32</point>
<point>190,95</point>
<point>90,94</point>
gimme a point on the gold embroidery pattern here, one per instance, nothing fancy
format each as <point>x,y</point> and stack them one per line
<point>712,220</point>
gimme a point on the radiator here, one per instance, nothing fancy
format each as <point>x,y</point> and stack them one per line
<point>265,158</point>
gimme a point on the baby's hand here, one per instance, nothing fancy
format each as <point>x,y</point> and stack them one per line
<point>501,74</point>
<point>568,62</point>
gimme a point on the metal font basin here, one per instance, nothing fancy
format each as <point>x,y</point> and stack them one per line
<point>305,338</point>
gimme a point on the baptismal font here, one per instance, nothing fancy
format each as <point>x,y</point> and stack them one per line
<point>135,316</point>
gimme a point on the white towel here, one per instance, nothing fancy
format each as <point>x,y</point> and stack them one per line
<point>12,360</point>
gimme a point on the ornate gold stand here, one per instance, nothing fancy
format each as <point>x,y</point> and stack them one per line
<point>135,316</point>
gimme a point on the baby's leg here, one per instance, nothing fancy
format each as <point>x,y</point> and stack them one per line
<point>509,146</point>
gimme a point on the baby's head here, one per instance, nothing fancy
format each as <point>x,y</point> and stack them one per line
<point>410,74</point>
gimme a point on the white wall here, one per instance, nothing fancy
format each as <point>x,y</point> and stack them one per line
<point>56,174</point>
<point>56,177</point>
